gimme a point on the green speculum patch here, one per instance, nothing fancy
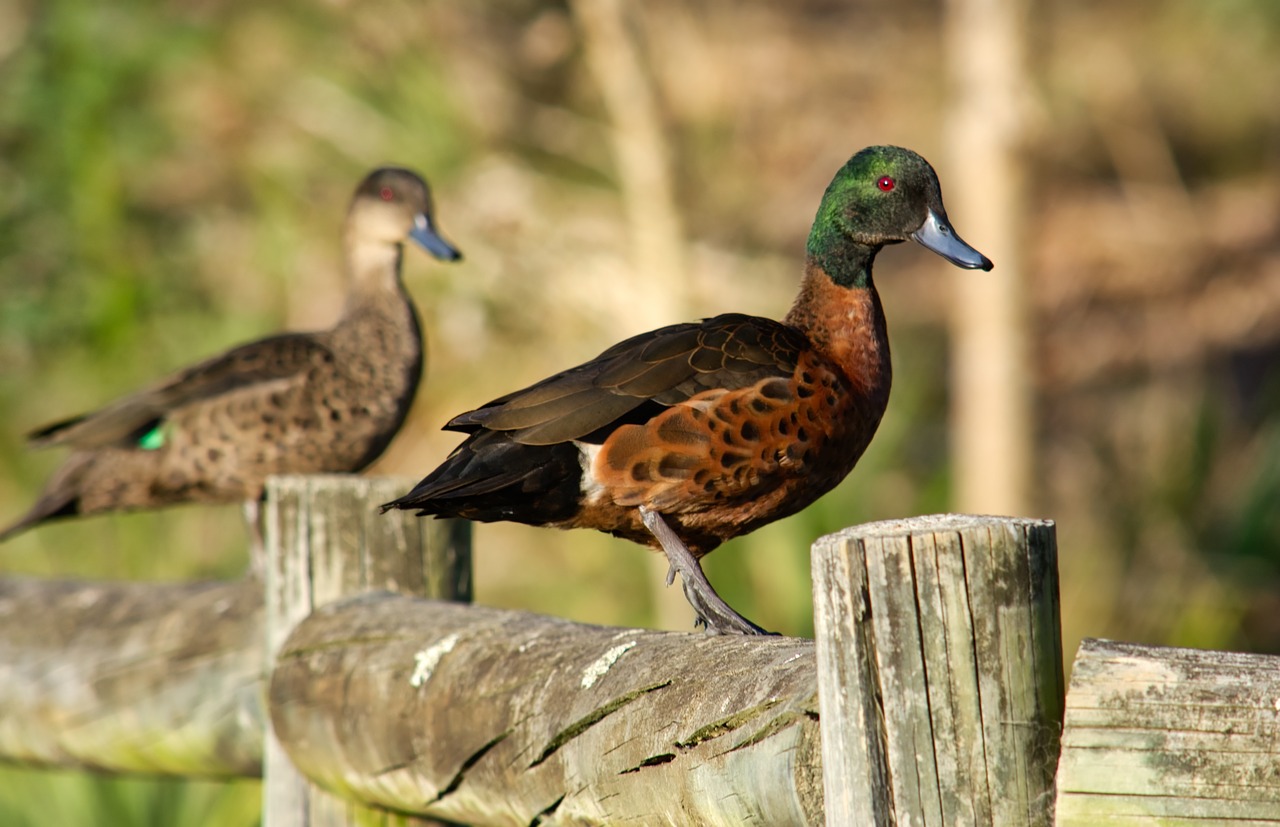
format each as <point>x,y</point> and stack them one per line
<point>154,439</point>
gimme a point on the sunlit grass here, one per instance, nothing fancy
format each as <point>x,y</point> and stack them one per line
<point>39,798</point>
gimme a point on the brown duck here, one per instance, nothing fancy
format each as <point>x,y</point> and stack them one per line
<point>295,403</point>
<point>684,437</point>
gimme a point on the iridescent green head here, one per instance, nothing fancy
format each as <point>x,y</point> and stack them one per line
<point>883,195</point>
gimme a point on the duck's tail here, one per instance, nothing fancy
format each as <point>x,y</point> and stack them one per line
<point>491,477</point>
<point>60,498</point>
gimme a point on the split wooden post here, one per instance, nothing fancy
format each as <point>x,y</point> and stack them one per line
<point>939,671</point>
<point>325,540</point>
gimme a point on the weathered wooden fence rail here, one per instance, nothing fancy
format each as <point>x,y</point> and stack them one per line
<point>933,695</point>
<point>499,717</point>
<point>132,677</point>
<point>1159,735</point>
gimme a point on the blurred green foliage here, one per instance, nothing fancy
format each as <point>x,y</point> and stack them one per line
<point>173,175</point>
<point>29,797</point>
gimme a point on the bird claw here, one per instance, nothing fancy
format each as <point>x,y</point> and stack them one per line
<point>715,615</point>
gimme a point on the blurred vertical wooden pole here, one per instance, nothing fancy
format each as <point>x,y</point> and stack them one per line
<point>643,159</point>
<point>991,425</point>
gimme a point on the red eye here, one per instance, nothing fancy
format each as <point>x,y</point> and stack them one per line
<point>386,193</point>
<point>886,183</point>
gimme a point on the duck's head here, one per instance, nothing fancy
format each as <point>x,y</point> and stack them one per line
<point>393,204</point>
<point>886,195</point>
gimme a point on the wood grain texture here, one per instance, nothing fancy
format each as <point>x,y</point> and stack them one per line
<point>1158,735</point>
<point>326,540</point>
<point>494,717</point>
<point>132,677</point>
<point>940,671</point>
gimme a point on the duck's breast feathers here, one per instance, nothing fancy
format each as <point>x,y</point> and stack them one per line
<point>264,365</point>
<point>635,379</point>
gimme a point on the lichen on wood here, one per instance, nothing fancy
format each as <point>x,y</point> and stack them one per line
<point>680,729</point>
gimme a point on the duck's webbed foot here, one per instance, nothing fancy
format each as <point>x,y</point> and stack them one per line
<point>713,613</point>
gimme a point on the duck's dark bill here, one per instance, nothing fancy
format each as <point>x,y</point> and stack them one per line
<point>936,234</point>
<point>430,240</point>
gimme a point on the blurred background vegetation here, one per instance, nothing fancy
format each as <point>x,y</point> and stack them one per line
<point>173,176</point>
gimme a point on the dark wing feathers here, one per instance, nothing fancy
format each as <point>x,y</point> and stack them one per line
<point>126,419</point>
<point>526,412</point>
<point>488,477</point>
<point>644,379</point>
<point>578,421</point>
<point>666,366</point>
<point>503,413</point>
<point>519,462</point>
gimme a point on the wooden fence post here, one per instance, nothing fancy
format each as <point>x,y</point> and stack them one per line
<point>939,671</point>
<point>325,540</point>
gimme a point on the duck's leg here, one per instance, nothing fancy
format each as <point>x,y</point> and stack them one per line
<point>257,548</point>
<point>712,611</point>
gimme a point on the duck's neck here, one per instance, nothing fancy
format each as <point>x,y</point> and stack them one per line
<point>378,317</point>
<point>378,340</point>
<point>845,323</point>
<point>845,261</point>
<point>374,273</point>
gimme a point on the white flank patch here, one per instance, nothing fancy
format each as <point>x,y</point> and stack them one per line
<point>426,661</point>
<point>603,664</point>
<point>590,488</point>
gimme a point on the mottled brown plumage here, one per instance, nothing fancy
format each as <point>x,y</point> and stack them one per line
<point>686,436</point>
<point>327,401</point>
